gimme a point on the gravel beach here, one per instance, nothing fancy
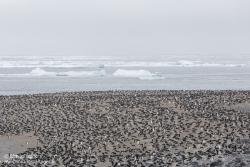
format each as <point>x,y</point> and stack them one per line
<point>126,128</point>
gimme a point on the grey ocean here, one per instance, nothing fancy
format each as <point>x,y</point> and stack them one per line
<point>48,74</point>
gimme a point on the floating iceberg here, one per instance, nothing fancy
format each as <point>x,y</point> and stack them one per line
<point>40,72</point>
<point>157,75</point>
<point>141,74</point>
<point>83,73</point>
<point>131,73</point>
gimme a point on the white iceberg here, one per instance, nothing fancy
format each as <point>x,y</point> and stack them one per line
<point>157,75</point>
<point>83,73</point>
<point>141,74</point>
<point>40,72</point>
<point>131,73</point>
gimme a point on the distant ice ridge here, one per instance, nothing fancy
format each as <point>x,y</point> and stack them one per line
<point>141,74</point>
<point>124,61</point>
<point>102,64</point>
<point>182,63</point>
<point>24,63</point>
<point>40,72</point>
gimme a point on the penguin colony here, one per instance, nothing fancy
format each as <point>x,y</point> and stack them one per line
<point>130,128</point>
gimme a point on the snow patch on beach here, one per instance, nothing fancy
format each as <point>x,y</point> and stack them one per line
<point>141,74</point>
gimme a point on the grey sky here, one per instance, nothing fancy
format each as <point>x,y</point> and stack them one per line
<point>80,27</point>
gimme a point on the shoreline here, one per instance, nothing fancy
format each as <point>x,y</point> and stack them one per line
<point>128,90</point>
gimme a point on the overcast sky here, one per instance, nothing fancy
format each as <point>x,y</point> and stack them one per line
<point>83,27</point>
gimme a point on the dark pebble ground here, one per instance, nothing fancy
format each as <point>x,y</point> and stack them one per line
<point>126,128</point>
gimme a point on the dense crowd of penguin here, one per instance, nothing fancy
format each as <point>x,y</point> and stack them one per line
<point>130,128</point>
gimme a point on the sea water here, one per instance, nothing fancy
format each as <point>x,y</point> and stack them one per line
<point>48,74</point>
